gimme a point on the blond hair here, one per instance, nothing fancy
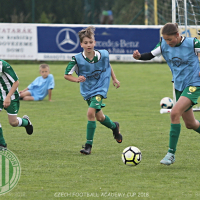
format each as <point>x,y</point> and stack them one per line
<point>88,32</point>
<point>43,66</point>
<point>170,29</point>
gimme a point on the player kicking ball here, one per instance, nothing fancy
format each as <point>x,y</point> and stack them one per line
<point>181,55</point>
<point>94,71</point>
<point>9,100</point>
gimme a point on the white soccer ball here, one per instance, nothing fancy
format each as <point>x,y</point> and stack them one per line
<point>166,103</point>
<point>131,156</point>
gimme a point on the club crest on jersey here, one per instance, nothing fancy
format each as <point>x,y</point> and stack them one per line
<point>192,89</point>
<point>178,61</point>
<point>96,74</point>
<point>98,98</point>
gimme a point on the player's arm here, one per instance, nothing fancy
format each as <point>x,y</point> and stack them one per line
<point>49,94</point>
<point>148,56</point>
<point>7,100</point>
<point>116,83</point>
<point>23,90</point>
<point>71,68</point>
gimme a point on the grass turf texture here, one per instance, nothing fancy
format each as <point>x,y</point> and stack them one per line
<point>51,165</point>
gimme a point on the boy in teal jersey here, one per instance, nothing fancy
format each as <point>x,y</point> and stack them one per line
<point>9,100</point>
<point>181,56</point>
<point>94,71</point>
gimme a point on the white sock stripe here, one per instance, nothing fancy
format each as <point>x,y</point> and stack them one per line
<point>20,121</point>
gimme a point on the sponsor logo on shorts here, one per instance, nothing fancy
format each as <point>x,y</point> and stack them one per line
<point>192,89</point>
<point>98,98</point>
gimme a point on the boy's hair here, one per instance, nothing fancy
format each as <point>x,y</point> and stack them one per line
<point>43,66</point>
<point>88,32</point>
<point>170,29</point>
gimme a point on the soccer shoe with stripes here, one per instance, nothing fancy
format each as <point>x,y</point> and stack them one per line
<point>168,159</point>
<point>86,149</point>
<point>116,133</point>
<point>3,147</point>
<point>29,127</point>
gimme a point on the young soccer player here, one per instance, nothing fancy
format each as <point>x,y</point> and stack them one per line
<point>181,56</point>
<point>40,87</point>
<point>9,100</point>
<point>94,71</point>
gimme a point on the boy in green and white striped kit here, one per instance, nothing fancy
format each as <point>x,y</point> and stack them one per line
<point>9,100</point>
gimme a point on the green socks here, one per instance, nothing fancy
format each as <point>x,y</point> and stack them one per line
<point>198,130</point>
<point>2,141</point>
<point>91,126</point>
<point>108,123</point>
<point>173,137</point>
<point>24,122</point>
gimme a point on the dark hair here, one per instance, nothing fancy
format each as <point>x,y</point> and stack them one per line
<point>88,32</point>
<point>170,29</point>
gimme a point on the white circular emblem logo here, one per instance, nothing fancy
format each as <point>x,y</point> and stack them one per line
<point>67,40</point>
<point>9,171</point>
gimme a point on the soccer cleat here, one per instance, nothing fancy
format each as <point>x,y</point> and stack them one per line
<point>86,149</point>
<point>168,159</point>
<point>116,133</point>
<point>29,127</point>
<point>3,147</point>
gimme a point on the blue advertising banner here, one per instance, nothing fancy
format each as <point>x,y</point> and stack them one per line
<point>61,43</point>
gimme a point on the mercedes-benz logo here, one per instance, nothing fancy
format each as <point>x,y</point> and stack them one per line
<point>67,40</point>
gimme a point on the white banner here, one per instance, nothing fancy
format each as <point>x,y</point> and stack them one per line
<point>18,41</point>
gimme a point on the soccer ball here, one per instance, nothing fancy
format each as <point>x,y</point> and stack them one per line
<point>131,156</point>
<point>166,103</point>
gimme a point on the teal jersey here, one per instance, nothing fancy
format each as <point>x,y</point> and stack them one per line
<point>157,50</point>
<point>97,75</point>
<point>7,78</point>
<point>183,62</point>
<point>72,66</point>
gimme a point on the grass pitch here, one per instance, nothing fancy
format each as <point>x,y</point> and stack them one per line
<point>53,168</point>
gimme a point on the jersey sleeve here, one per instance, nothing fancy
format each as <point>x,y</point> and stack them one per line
<point>196,45</point>
<point>9,72</point>
<point>157,50</point>
<point>71,67</point>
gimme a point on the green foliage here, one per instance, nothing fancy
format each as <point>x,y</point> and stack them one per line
<point>50,158</point>
<point>125,11</point>
<point>70,11</point>
<point>44,18</point>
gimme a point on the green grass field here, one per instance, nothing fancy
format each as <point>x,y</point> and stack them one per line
<point>53,168</point>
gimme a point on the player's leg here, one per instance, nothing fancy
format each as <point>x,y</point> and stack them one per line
<point>190,121</point>
<point>180,107</point>
<point>3,145</point>
<point>15,121</point>
<point>28,98</point>
<point>24,94</point>
<point>91,126</point>
<point>114,126</point>
<point>193,94</point>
